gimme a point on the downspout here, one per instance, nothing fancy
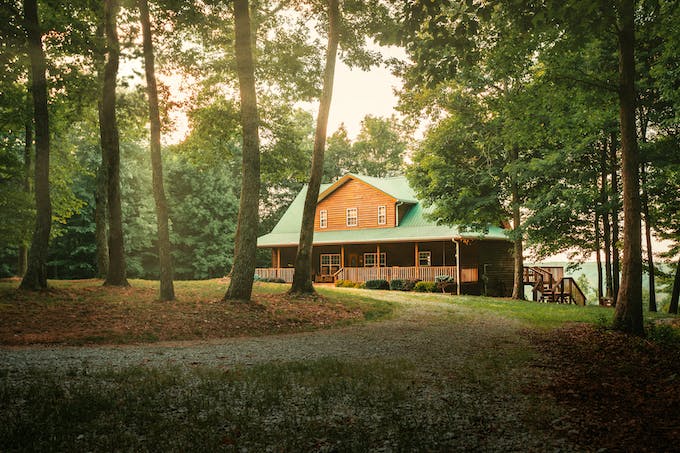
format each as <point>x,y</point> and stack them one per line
<point>458,273</point>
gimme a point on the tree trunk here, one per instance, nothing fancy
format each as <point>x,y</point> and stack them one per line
<point>648,237</point>
<point>167,290</point>
<point>245,249</point>
<point>628,315</point>
<point>616,268</point>
<point>101,231</point>
<point>518,250</point>
<point>22,259</point>
<point>302,278</point>
<point>598,258</point>
<point>111,148</point>
<point>36,272</point>
<point>606,226</point>
<point>675,295</point>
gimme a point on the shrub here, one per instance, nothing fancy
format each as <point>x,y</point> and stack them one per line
<point>410,284</point>
<point>446,283</point>
<point>377,284</point>
<point>397,285</point>
<point>347,284</point>
<point>425,287</point>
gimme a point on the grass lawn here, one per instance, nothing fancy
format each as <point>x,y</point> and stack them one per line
<point>433,372</point>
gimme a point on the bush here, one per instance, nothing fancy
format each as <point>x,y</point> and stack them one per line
<point>269,280</point>
<point>446,283</point>
<point>397,285</point>
<point>409,285</point>
<point>347,284</point>
<point>377,284</point>
<point>425,287</point>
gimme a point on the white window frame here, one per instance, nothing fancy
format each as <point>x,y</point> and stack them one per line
<point>425,256</point>
<point>330,261</point>
<point>352,220</point>
<point>382,215</point>
<point>323,218</point>
<point>371,255</point>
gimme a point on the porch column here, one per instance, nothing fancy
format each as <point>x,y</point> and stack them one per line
<point>458,272</point>
<point>342,256</point>
<point>417,260</point>
<point>278,261</point>
<point>378,254</point>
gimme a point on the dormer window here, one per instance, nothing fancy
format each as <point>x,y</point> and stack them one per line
<point>352,217</point>
<point>323,218</point>
<point>382,215</point>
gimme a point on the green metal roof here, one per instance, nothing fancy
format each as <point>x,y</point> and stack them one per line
<point>414,226</point>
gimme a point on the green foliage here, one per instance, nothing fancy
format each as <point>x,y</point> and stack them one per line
<point>377,151</point>
<point>397,284</point>
<point>425,287</point>
<point>348,284</point>
<point>377,284</point>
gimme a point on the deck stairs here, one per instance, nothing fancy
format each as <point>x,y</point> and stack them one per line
<point>550,285</point>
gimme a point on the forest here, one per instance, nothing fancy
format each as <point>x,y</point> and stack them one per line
<point>561,116</point>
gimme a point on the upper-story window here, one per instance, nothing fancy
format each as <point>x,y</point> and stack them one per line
<point>323,218</point>
<point>382,215</point>
<point>352,217</point>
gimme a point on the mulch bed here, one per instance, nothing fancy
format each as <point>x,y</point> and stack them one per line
<point>621,393</point>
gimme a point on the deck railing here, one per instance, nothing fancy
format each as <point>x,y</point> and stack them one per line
<point>285,273</point>
<point>362,274</point>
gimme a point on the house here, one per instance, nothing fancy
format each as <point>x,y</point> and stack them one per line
<point>375,228</point>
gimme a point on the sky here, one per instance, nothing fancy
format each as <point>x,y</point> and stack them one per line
<point>356,93</point>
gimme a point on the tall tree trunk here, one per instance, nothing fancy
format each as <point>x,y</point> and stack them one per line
<point>101,206</point>
<point>22,261</point>
<point>628,315</point>
<point>110,145</point>
<point>675,295</point>
<point>36,272</point>
<point>616,268</point>
<point>648,237</point>
<point>606,226</point>
<point>302,278</point>
<point>598,258</point>
<point>518,249</point>
<point>101,231</point>
<point>167,290</point>
<point>245,249</point>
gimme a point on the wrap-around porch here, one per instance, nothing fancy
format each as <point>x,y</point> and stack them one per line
<point>473,263</point>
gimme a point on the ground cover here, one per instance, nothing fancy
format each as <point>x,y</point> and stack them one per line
<point>436,373</point>
<point>79,312</point>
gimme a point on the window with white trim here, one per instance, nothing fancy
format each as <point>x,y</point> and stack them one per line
<point>424,258</point>
<point>370,259</point>
<point>382,215</point>
<point>352,217</point>
<point>323,218</point>
<point>330,263</point>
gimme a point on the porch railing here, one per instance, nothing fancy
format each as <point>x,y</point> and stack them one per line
<point>362,274</point>
<point>285,273</point>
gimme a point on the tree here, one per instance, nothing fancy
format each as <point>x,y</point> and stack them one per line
<point>241,285</point>
<point>628,315</point>
<point>36,273</point>
<point>302,278</point>
<point>167,291</point>
<point>111,148</point>
<point>378,149</point>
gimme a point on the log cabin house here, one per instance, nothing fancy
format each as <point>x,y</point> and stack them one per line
<point>375,228</point>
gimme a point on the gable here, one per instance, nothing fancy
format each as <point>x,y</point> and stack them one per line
<point>355,194</point>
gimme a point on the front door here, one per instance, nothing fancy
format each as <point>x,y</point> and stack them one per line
<point>353,260</point>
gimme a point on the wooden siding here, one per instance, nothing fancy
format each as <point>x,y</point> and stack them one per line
<point>356,194</point>
<point>495,257</point>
